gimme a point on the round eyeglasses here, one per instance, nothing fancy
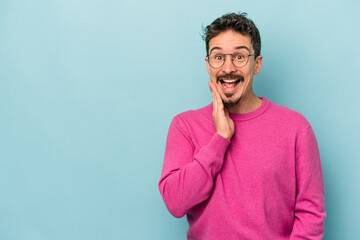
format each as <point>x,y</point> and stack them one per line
<point>239,59</point>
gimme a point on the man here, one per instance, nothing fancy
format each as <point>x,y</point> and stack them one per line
<point>242,167</point>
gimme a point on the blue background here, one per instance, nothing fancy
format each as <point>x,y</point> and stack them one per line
<point>88,90</point>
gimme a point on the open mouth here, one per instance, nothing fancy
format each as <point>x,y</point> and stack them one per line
<point>229,84</point>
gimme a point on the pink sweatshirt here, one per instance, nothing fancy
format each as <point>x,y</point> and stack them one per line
<point>266,183</point>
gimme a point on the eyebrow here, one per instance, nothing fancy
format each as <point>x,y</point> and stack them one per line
<point>239,47</point>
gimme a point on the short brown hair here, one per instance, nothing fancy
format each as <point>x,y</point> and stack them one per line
<point>236,22</point>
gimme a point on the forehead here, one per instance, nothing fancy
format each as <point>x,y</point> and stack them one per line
<point>229,41</point>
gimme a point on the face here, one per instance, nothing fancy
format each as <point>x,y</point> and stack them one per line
<point>233,83</point>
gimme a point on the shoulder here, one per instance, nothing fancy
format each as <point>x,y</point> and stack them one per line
<point>194,120</point>
<point>287,116</point>
<point>193,116</point>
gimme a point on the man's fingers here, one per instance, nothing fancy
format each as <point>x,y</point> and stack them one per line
<point>223,123</point>
<point>218,99</point>
<point>226,112</point>
<point>213,96</point>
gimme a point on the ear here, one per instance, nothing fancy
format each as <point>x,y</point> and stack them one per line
<point>258,64</point>
<point>207,64</point>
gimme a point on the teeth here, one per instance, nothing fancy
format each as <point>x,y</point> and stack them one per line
<point>230,81</point>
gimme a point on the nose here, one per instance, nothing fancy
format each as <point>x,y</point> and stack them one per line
<point>228,66</point>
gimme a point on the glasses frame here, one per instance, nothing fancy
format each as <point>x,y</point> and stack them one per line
<point>232,60</point>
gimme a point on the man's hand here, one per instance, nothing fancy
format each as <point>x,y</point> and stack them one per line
<point>224,125</point>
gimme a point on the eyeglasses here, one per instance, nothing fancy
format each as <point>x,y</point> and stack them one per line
<point>239,59</point>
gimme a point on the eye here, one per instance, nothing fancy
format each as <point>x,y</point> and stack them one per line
<point>239,56</point>
<point>218,57</point>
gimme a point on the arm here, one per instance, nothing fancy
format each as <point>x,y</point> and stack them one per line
<point>310,201</point>
<point>187,179</point>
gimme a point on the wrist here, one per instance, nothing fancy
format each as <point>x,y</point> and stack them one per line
<point>227,137</point>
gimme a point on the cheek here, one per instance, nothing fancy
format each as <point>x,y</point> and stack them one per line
<point>248,73</point>
<point>213,75</point>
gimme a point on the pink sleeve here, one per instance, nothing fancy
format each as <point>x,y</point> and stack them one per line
<point>187,179</point>
<point>310,201</point>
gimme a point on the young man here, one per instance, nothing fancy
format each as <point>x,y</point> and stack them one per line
<point>242,167</point>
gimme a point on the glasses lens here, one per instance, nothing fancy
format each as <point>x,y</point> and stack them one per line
<point>216,60</point>
<point>240,59</point>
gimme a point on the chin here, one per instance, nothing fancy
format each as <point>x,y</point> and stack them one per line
<point>231,103</point>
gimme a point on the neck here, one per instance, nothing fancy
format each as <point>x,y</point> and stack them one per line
<point>248,103</point>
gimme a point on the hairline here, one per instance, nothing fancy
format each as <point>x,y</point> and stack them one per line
<point>238,47</point>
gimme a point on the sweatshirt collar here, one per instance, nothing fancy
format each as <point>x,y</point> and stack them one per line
<point>250,115</point>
